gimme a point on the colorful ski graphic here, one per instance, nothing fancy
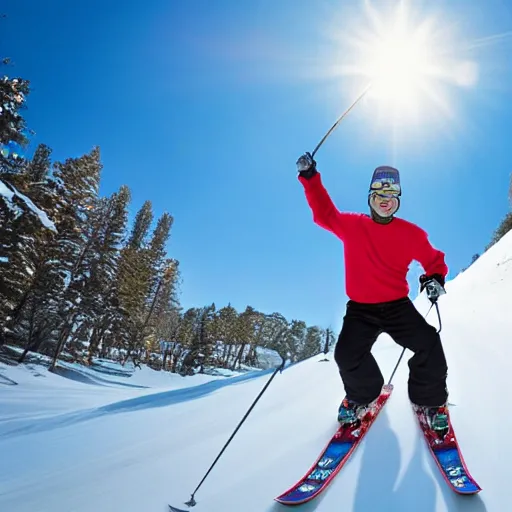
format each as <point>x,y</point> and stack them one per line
<point>333,457</point>
<point>446,453</point>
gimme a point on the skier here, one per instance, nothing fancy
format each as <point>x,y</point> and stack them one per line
<point>378,250</point>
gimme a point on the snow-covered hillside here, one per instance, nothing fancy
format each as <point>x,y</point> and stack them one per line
<point>69,446</point>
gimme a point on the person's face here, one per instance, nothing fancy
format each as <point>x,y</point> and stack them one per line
<point>384,206</point>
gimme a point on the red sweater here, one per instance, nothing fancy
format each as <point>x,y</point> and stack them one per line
<point>377,256</point>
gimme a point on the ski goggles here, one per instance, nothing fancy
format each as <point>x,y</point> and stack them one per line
<point>386,182</point>
<point>386,193</point>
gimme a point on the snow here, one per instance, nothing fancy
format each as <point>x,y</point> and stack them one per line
<point>9,192</point>
<point>6,191</point>
<point>84,446</point>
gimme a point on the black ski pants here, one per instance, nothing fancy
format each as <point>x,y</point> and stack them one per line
<point>359,371</point>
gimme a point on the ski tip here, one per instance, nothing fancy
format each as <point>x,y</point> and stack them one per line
<point>174,509</point>
<point>467,492</point>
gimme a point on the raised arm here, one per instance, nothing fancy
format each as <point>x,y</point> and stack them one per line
<point>325,213</point>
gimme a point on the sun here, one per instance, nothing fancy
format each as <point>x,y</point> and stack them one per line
<point>408,61</point>
<point>399,66</point>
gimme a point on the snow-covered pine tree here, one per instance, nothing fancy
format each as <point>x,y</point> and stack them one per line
<point>78,186</point>
<point>25,245</point>
<point>13,94</point>
<point>151,268</point>
<point>133,276</point>
<point>313,342</point>
<point>245,335</point>
<point>202,339</point>
<point>225,321</point>
<point>295,339</point>
<point>98,309</point>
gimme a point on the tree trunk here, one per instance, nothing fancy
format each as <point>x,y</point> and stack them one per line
<point>64,334</point>
<point>238,357</point>
<point>226,361</point>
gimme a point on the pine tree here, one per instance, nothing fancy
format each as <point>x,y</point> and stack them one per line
<point>168,318</point>
<point>39,167</point>
<point>202,340</point>
<point>78,233</point>
<point>226,326</point>
<point>187,333</point>
<point>313,342</point>
<point>141,227</point>
<point>99,303</point>
<point>18,233</point>
<point>245,333</point>
<point>258,322</point>
<point>275,333</point>
<point>166,311</point>
<point>133,275</point>
<point>504,227</point>
<point>156,251</point>
<point>142,268</point>
<point>163,302</point>
<point>13,94</point>
<point>295,340</point>
<point>25,240</point>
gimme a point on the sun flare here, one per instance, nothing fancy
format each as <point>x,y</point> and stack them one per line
<point>408,61</point>
<point>398,67</point>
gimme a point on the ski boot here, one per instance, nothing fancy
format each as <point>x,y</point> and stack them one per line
<point>350,412</point>
<point>436,418</point>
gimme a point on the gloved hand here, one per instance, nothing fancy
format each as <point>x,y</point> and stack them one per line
<point>434,284</point>
<point>306,165</point>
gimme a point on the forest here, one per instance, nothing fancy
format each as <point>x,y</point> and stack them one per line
<point>79,282</point>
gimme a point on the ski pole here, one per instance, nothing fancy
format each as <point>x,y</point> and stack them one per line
<point>338,121</point>
<point>326,347</point>
<point>192,501</point>
<point>403,351</point>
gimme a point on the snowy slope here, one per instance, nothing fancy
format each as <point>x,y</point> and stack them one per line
<point>140,450</point>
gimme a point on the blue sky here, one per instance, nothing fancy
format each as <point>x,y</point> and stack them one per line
<point>203,108</point>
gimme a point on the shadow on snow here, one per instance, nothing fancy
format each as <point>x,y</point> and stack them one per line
<point>161,399</point>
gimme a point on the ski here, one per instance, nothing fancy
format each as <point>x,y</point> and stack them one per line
<point>333,457</point>
<point>446,453</point>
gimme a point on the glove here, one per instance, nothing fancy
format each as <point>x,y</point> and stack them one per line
<point>434,284</point>
<point>424,279</point>
<point>306,166</point>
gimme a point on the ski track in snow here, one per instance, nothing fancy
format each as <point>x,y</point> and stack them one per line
<point>85,446</point>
